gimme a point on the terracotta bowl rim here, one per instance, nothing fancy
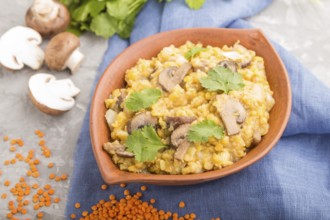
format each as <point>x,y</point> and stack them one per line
<point>119,176</point>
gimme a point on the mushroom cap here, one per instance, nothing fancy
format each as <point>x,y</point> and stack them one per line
<point>172,76</point>
<point>48,27</point>
<point>50,95</point>
<point>59,50</point>
<point>229,65</point>
<point>19,46</point>
<point>179,120</point>
<point>179,135</point>
<point>117,148</point>
<point>231,112</point>
<point>141,120</point>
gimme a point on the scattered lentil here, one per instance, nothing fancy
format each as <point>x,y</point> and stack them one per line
<point>143,188</point>
<point>50,165</point>
<point>104,187</point>
<point>182,204</point>
<point>129,207</point>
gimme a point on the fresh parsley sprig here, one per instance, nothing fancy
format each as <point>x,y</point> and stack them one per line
<point>143,99</point>
<point>201,131</point>
<point>222,79</point>
<point>193,52</point>
<point>144,143</point>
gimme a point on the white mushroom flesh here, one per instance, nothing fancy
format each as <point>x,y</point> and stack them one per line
<point>232,112</point>
<point>52,93</point>
<point>74,61</point>
<point>19,46</point>
<point>110,117</point>
<point>45,9</point>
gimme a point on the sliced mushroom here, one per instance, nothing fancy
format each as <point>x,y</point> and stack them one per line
<point>256,137</point>
<point>270,102</point>
<point>181,151</point>
<point>19,46</point>
<point>121,99</point>
<point>179,140</point>
<point>48,17</point>
<point>202,67</point>
<point>110,117</point>
<point>176,121</point>
<point>242,60</point>
<point>179,135</point>
<point>62,51</point>
<point>172,76</point>
<point>141,120</point>
<point>229,65</point>
<point>117,148</point>
<point>232,112</point>
<point>50,95</point>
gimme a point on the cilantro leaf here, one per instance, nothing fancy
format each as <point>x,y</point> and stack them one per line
<point>104,17</point>
<point>92,8</point>
<point>195,4</point>
<point>103,25</point>
<point>142,99</point>
<point>223,79</point>
<point>144,143</point>
<point>194,51</point>
<point>203,130</point>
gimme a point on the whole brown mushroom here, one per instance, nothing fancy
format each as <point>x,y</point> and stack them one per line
<point>48,17</point>
<point>63,52</point>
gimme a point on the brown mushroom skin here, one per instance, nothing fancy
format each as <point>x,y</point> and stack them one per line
<point>232,112</point>
<point>172,76</point>
<point>117,148</point>
<point>179,135</point>
<point>59,49</point>
<point>179,140</point>
<point>181,151</point>
<point>141,120</point>
<point>176,121</point>
<point>229,65</point>
<point>49,28</point>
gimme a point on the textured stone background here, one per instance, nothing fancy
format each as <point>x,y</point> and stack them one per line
<point>301,26</point>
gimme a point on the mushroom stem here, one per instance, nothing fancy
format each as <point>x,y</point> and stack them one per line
<point>45,9</point>
<point>74,61</point>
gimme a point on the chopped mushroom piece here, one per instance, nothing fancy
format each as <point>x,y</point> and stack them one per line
<point>50,95</point>
<point>229,65</point>
<point>232,112</point>
<point>172,76</point>
<point>181,151</point>
<point>179,135</point>
<point>19,46</point>
<point>62,51</point>
<point>110,116</point>
<point>179,140</point>
<point>141,120</point>
<point>48,17</point>
<point>121,99</point>
<point>176,121</point>
<point>243,59</point>
<point>117,148</point>
<point>256,137</point>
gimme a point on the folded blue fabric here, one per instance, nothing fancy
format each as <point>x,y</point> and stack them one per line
<point>291,182</point>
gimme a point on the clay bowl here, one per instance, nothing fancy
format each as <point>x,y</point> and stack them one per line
<point>147,48</point>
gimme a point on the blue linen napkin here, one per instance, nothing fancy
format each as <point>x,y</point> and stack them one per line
<point>291,182</point>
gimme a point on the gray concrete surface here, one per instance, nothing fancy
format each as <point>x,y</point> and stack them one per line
<point>299,25</point>
<point>20,118</point>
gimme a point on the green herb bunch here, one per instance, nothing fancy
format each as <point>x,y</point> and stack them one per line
<point>108,17</point>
